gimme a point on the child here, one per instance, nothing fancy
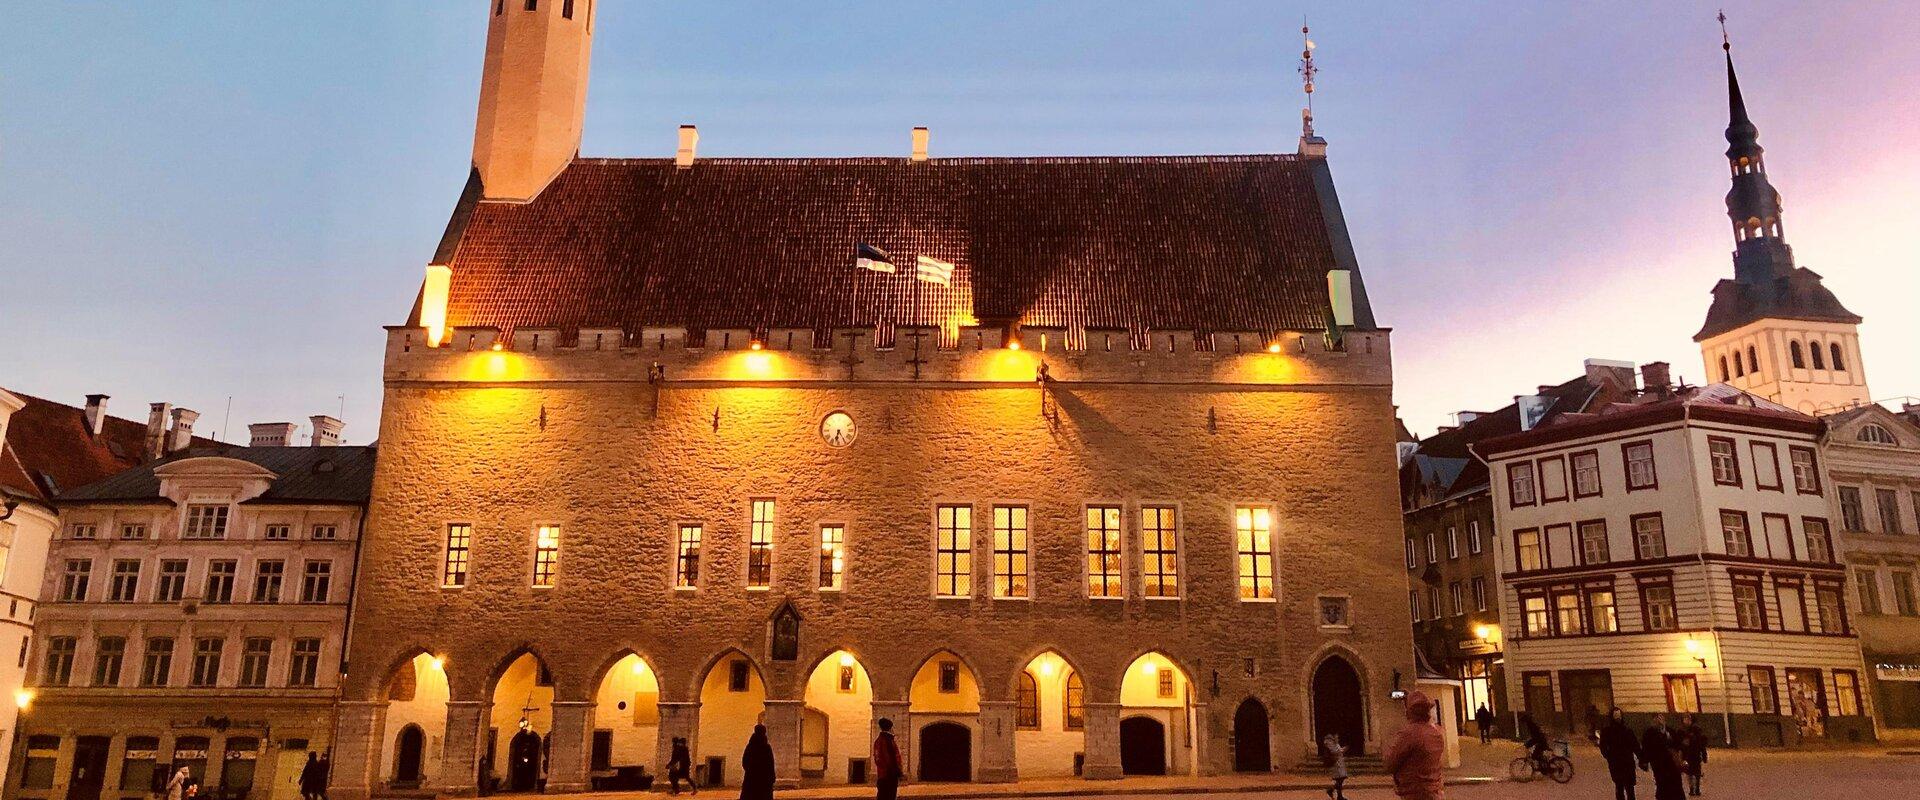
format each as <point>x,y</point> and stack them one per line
<point>1335,756</point>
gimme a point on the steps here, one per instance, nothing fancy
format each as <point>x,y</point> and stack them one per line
<point>1356,765</point>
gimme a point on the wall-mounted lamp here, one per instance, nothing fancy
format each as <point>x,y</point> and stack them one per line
<point>7,507</point>
<point>1693,649</point>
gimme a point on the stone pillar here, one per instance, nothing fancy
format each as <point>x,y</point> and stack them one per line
<point>1102,741</point>
<point>997,722</point>
<point>896,711</point>
<point>570,745</point>
<point>783,733</point>
<point>356,748</point>
<point>460,755</point>
<point>1203,732</point>
<point>677,721</point>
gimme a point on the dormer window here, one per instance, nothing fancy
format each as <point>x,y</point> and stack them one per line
<point>1871,433</point>
<point>205,521</point>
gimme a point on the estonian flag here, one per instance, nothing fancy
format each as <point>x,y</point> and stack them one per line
<point>933,270</point>
<point>866,256</point>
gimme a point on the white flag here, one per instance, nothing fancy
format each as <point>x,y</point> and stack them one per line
<point>933,270</point>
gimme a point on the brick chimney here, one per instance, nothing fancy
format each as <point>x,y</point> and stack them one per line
<point>1656,379</point>
<point>271,434</point>
<point>96,413</point>
<point>181,434</point>
<point>326,430</point>
<point>1602,371</point>
<point>156,445</point>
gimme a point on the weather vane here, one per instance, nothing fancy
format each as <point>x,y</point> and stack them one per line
<point>1307,71</point>
<point>1725,43</point>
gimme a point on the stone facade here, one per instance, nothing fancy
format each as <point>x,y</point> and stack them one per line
<point>1875,506</point>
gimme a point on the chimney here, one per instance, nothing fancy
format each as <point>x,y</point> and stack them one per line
<point>182,433</point>
<point>1618,373</point>
<point>326,430</point>
<point>157,430</point>
<point>689,139</point>
<point>271,434</point>
<point>96,413</point>
<point>920,136</point>
<point>1655,378</point>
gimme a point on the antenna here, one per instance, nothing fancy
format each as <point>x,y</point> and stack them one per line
<point>1307,71</point>
<point>226,420</point>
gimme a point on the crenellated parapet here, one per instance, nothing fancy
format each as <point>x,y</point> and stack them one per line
<point>967,355</point>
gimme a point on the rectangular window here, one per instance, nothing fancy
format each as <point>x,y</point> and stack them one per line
<point>1790,597</point>
<point>1413,604</point>
<point>1593,542</point>
<point>1760,686</point>
<point>1453,542</point>
<point>1868,582</point>
<point>138,763</point>
<point>1586,474</point>
<point>1433,552</point>
<point>1459,605</point>
<point>304,668</point>
<point>1887,502</point>
<point>156,666</point>
<point>325,533</point>
<point>1105,567</point>
<point>1806,471</point>
<point>760,545</point>
<point>1776,532</point>
<point>1640,469</point>
<point>1520,484</point>
<point>1479,594</point>
<point>1819,544</point>
<point>844,681</point>
<point>1535,620</point>
<point>1734,534</point>
<point>220,577</point>
<point>133,530</point>
<point>1010,551</point>
<point>1553,479</point>
<point>1253,530</point>
<point>1433,602</point>
<point>833,556</point>
<point>1163,683</point>
<point>1904,602</point>
<point>949,677</point>
<point>108,654</point>
<point>1473,537</point>
<point>268,577</point>
<point>1413,560</point>
<point>453,572</point>
<point>1649,537</point>
<point>126,581</point>
<point>953,551</point>
<point>546,554</point>
<point>1566,613</point>
<point>58,670</point>
<point>205,521</point>
<point>83,530</point>
<point>1853,514</point>
<point>255,652</point>
<point>1766,465</point>
<point>1528,553</point>
<point>317,585</point>
<point>206,661</point>
<point>686,560</point>
<point>1749,612</point>
<point>1725,459</point>
<point>1833,612</point>
<point>1160,551</point>
<point>279,533</point>
<point>1657,609</point>
<point>74,580</point>
<point>1846,693</point>
<point>173,581</point>
<point>1683,694</point>
<point>1601,617</point>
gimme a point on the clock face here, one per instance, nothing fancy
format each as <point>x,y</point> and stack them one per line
<point>837,429</point>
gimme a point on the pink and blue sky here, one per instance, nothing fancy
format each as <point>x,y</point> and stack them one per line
<point>210,200</point>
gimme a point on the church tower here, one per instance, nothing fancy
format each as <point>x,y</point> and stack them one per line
<point>1774,329</point>
<point>533,94</point>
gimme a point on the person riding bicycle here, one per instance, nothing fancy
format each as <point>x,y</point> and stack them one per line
<point>1538,747</point>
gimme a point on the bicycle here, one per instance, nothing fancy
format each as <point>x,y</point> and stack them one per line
<point>1559,767</point>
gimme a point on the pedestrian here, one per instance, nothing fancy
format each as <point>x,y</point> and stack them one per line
<point>310,777</point>
<point>1660,756</point>
<point>1335,755</point>
<point>1416,757</point>
<point>680,767</point>
<point>1484,719</point>
<point>757,764</point>
<point>1693,753</point>
<point>1538,748</point>
<point>1622,752</point>
<point>177,787</point>
<point>886,763</point>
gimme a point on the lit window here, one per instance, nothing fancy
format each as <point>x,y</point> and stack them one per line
<point>255,652</point>
<point>1026,706</point>
<point>1076,703</point>
<point>268,576</point>
<point>546,554</point>
<point>205,521</point>
<point>1535,620</point>
<point>304,668</point>
<point>1104,570</point>
<point>1649,537</point>
<point>1527,553</point>
<point>1846,682</point>
<point>760,545</point>
<point>953,561</point>
<point>317,584</point>
<point>1833,614</point>
<point>686,562</point>
<point>459,550</point>
<point>1600,611</point>
<point>1253,532</point>
<point>833,556</point>
<point>1009,551</point>
<point>1160,551</point>
<point>1683,694</point>
<point>206,661</point>
<point>1640,468</point>
<point>1566,613</point>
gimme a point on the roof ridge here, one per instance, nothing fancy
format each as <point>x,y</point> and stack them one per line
<point>1203,158</point>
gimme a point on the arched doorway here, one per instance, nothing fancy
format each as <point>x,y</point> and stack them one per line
<point>946,753</point>
<point>1337,705</point>
<point>733,698</point>
<point>835,721</point>
<point>1250,747</point>
<point>523,761</point>
<point>1157,689</point>
<point>1049,717</point>
<point>407,750</point>
<point>1143,746</point>
<point>627,710</point>
<point>522,714</point>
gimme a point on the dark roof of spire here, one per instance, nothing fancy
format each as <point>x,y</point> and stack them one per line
<point>1743,137</point>
<point>1797,295</point>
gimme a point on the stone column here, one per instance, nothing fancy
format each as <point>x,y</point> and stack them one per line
<point>677,721</point>
<point>1102,741</point>
<point>571,742</point>
<point>783,733</point>
<point>1203,731</point>
<point>460,755</point>
<point>896,711</point>
<point>997,722</point>
<point>356,748</point>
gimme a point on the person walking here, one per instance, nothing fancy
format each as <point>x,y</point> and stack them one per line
<point>1416,757</point>
<point>177,786</point>
<point>323,775</point>
<point>886,763</point>
<point>1335,755</point>
<point>1484,719</point>
<point>1693,753</point>
<point>680,767</point>
<point>310,777</point>
<point>1660,756</point>
<point>757,764</point>
<point>1622,752</point>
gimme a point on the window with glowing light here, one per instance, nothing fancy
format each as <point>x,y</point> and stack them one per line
<point>760,545</point>
<point>953,551</point>
<point>833,556</point>
<point>1076,703</point>
<point>686,561</point>
<point>1163,682</point>
<point>1160,551</point>
<point>1027,704</point>
<point>1105,572</point>
<point>1527,552</point>
<point>453,572</point>
<point>1253,534</point>
<point>1010,551</point>
<point>546,554</point>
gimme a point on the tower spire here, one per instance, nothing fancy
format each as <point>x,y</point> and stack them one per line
<point>1753,205</point>
<point>1307,71</point>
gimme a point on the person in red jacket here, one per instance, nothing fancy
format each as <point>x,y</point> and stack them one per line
<point>886,763</point>
<point>1417,755</point>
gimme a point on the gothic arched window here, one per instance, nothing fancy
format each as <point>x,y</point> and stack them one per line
<point>1819,361</point>
<point>1076,703</point>
<point>1793,350</point>
<point>1026,709</point>
<point>1739,367</point>
<point>1724,377</point>
<point>1838,362</point>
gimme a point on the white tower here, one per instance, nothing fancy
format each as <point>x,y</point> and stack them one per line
<point>533,94</point>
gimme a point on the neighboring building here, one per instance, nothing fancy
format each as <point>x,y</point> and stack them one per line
<point>195,615</point>
<point>1676,556</point>
<point>1448,510</point>
<point>658,461</point>
<point>1873,459</point>
<point>46,448</point>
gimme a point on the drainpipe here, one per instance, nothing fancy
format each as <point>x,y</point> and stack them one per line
<point>346,632</point>
<point>1706,573</point>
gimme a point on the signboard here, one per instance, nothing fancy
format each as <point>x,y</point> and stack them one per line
<point>1897,672</point>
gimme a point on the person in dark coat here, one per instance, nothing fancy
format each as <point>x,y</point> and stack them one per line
<point>1622,753</point>
<point>1660,756</point>
<point>1537,745</point>
<point>1693,753</point>
<point>886,763</point>
<point>1484,719</point>
<point>680,767</point>
<point>325,773</point>
<point>310,777</point>
<point>757,762</point>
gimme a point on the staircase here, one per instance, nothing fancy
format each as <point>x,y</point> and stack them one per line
<point>1356,766</point>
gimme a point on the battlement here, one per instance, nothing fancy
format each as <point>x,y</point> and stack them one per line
<point>964,355</point>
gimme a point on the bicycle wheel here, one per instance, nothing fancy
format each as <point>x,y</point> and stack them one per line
<point>1560,769</point>
<point>1521,769</point>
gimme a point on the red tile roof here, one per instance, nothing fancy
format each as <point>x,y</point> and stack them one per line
<point>1201,242</point>
<point>48,449</point>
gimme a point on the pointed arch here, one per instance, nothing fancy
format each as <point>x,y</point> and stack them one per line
<point>502,665</point>
<point>605,668</point>
<point>932,688</point>
<point>802,676</point>
<point>401,662</point>
<point>707,667</point>
<point>1320,713</point>
<point>1032,654</point>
